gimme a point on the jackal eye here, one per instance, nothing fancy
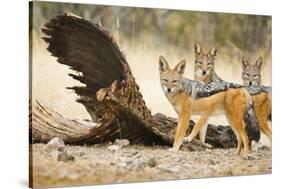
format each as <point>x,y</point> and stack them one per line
<point>199,63</point>
<point>246,75</point>
<point>256,76</point>
<point>210,64</point>
<point>165,80</point>
<point>175,81</point>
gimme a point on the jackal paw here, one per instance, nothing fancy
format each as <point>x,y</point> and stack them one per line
<point>248,157</point>
<point>173,149</point>
<point>187,140</point>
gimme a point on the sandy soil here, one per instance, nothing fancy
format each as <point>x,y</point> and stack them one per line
<point>102,164</point>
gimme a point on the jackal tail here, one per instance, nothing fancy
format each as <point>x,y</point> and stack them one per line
<point>251,122</point>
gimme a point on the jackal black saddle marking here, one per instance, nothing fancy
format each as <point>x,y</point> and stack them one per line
<point>198,89</point>
<point>253,90</point>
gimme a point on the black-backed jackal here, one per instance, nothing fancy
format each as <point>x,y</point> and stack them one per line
<point>233,103</point>
<point>251,76</point>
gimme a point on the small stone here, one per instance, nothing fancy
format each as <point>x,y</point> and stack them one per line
<point>113,148</point>
<point>82,153</point>
<point>121,158</point>
<point>55,144</point>
<point>122,142</point>
<point>134,153</point>
<point>61,149</point>
<point>265,148</point>
<point>122,164</point>
<point>152,162</point>
<point>175,169</point>
<point>64,156</point>
<point>229,173</point>
<point>211,162</point>
<point>251,158</point>
<point>139,165</point>
<point>177,159</point>
<point>129,162</point>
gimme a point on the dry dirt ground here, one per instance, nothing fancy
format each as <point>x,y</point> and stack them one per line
<point>107,163</point>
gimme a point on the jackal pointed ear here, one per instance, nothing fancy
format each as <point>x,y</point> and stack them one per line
<point>180,67</point>
<point>213,52</point>
<point>163,64</point>
<point>245,62</point>
<point>197,49</point>
<point>258,63</point>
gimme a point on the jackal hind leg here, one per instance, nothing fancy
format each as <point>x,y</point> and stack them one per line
<point>265,128</point>
<point>263,111</point>
<point>237,134</point>
<point>245,141</point>
<point>263,124</point>
<point>239,142</point>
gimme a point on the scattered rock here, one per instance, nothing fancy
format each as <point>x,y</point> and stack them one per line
<point>55,144</point>
<point>122,158</point>
<point>152,162</point>
<point>113,148</point>
<point>64,156</point>
<point>177,159</point>
<point>251,158</point>
<point>211,162</point>
<point>122,164</point>
<point>175,169</point>
<point>122,142</point>
<point>265,148</point>
<point>228,173</point>
<point>139,164</point>
<point>119,143</point>
<point>82,153</point>
<point>61,149</point>
<point>137,161</point>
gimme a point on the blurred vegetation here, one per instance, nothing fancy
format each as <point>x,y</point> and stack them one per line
<point>248,33</point>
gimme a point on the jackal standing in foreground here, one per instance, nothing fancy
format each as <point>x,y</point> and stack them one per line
<point>204,71</point>
<point>231,102</point>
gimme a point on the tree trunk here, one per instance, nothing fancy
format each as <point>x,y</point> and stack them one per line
<point>47,124</point>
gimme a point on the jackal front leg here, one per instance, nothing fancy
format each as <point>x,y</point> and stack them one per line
<point>198,126</point>
<point>182,126</point>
